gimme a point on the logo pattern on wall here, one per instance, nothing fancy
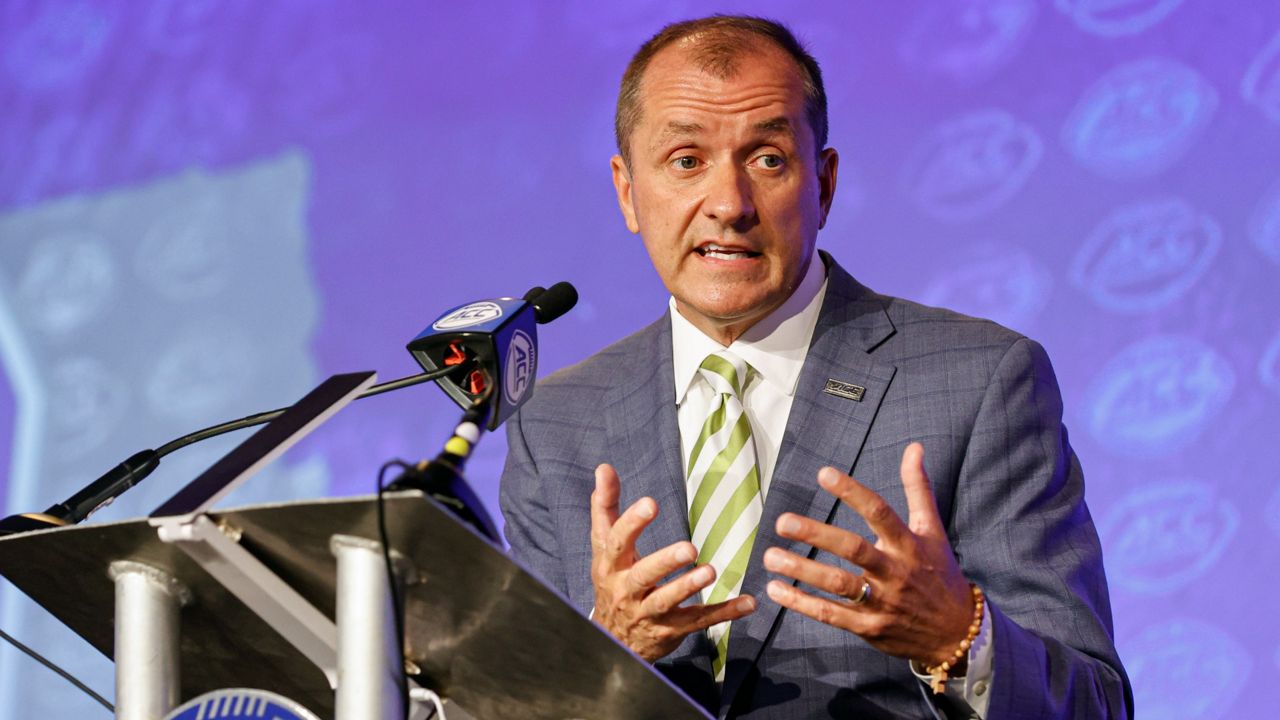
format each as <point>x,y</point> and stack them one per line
<point>204,205</point>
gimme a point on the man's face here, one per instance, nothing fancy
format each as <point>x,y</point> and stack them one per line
<point>725,185</point>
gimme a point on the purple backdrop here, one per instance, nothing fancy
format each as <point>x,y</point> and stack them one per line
<point>205,207</point>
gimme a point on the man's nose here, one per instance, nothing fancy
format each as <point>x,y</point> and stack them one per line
<point>729,199</point>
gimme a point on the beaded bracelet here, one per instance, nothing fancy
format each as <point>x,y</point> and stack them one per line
<point>938,673</point>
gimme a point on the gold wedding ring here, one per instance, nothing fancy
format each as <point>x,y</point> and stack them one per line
<point>863,595</point>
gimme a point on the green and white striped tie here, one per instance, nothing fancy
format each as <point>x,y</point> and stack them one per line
<point>724,482</point>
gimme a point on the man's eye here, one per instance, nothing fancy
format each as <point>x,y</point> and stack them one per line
<point>687,162</point>
<point>771,162</point>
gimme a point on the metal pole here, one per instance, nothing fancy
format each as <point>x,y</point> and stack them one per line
<point>146,640</point>
<point>370,658</point>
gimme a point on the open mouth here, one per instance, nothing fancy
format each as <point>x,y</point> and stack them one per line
<point>725,252</point>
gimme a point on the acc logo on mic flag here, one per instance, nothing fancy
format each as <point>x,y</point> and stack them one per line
<point>468,315</point>
<point>519,367</point>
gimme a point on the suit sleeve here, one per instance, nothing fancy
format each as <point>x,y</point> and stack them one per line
<point>1022,532</point>
<point>529,529</point>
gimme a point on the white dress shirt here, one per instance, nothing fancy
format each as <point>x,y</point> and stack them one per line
<point>776,348</point>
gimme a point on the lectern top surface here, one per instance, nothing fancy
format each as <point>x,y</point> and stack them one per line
<point>484,632</point>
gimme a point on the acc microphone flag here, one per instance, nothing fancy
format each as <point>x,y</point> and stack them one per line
<point>498,339</point>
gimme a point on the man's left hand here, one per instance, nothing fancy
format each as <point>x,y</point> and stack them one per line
<point>920,605</point>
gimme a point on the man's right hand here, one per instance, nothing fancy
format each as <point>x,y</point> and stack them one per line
<point>630,604</point>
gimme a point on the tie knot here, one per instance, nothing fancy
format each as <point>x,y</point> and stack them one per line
<point>727,373</point>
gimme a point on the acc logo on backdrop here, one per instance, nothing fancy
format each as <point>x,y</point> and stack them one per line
<point>1007,286</point>
<point>199,372</point>
<point>1146,255</point>
<point>1186,669</point>
<point>1139,118</point>
<point>59,45</point>
<point>1157,394</point>
<point>69,279</point>
<point>181,29</point>
<point>971,165</point>
<point>1110,18</point>
<point>1264,226</point>
<point>967,41</point>
<point>185,254</point>
<point>91,401</point>
<point>1269,365</point>
<point>1261,84</point>
<point>468,315</point>
<point>1161,537</point>
<point>1272,511</point>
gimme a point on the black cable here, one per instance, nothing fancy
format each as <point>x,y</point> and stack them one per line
<point>50,664</point>
<point>269,415</point>
<point>397,608</point>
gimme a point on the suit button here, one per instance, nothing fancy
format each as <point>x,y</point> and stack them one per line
<point>979,688</point>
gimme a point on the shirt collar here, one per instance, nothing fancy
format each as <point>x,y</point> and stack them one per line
<point>775,346</point>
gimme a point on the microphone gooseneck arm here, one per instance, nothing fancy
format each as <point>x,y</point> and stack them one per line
<point>120,478</point>
<point>548,304</point>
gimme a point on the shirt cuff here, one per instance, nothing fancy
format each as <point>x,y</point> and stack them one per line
<point>974,689</point>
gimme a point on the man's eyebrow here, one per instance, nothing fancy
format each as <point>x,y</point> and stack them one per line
<point>779,124</point>
<point>676,129</point>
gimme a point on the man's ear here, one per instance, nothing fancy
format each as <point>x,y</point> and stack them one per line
<point>622,185</point>
<point>828,163</point>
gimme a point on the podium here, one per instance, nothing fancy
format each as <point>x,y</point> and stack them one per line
<point>293,598</point>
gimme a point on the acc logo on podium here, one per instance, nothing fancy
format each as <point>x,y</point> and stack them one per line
<point>241,704</point>
<point>468,315</point>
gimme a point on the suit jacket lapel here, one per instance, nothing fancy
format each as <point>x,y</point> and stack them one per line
<point>822,430</point>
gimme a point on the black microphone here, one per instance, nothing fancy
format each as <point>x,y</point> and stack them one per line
<point>550,304</point>
<point>497,342</point>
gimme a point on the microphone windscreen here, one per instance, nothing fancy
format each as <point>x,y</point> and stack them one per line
<point>556,301</point>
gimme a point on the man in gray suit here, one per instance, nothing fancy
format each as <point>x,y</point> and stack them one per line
<point>959,574</point>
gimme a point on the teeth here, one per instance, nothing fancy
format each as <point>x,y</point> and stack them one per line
<point>722,251</point>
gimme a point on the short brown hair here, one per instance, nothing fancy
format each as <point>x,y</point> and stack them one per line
<point>719,57</point>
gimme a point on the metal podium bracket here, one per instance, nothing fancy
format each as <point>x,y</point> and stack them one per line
<point>148,602</point>
<point>260,589</point>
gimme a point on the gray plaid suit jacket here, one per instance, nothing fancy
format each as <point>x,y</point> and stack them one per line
<point>986,405</point>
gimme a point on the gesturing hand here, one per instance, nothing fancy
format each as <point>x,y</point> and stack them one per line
<point>919,604</point>
<point>630,604</point>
